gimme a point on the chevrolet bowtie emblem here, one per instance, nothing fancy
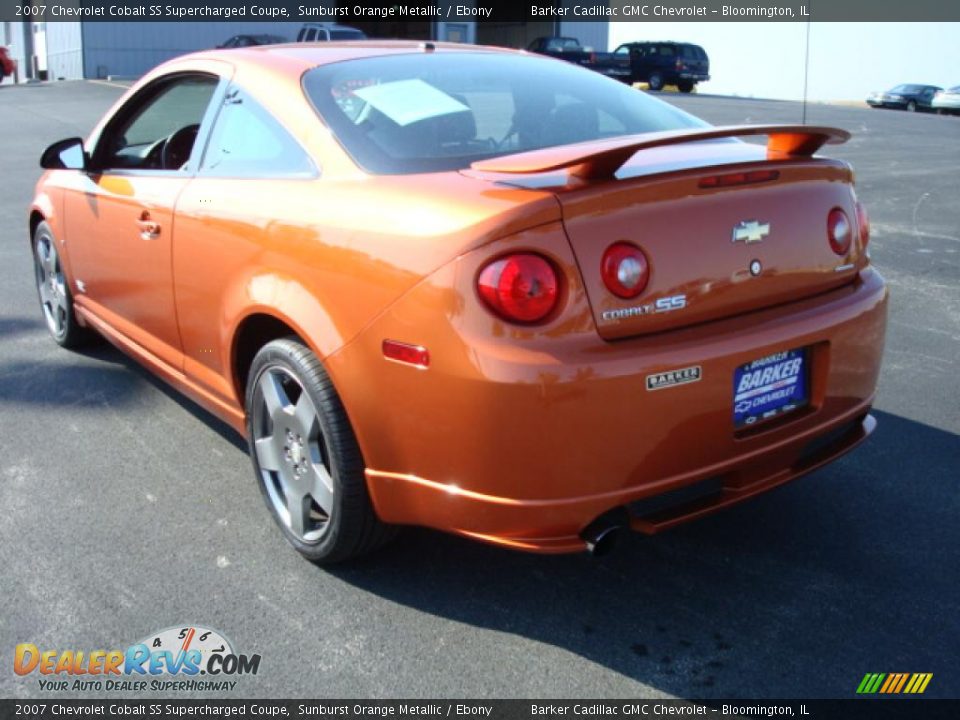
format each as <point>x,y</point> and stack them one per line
<point>750,231</point>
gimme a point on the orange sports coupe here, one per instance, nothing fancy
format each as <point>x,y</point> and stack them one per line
<point>469,288</point>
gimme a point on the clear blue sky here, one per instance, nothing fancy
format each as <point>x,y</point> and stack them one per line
<point>847,60</point>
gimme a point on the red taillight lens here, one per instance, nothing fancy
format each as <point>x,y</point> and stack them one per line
<point>521,288</point>
<point>863,225</point>
<point>625,270</point>
<point>415,355</point>
<point>839,231</point>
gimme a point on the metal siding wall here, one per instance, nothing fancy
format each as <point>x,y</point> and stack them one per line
<point>594,35</point>
<point>129,49</point>
<point>64,51</point>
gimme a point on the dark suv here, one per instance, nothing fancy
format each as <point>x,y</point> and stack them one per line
<point>666,63</point>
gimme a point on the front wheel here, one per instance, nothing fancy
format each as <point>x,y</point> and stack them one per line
<point>306,458</point>
<point>911,106</point>
<point>56,300</point>
<point>656,81</point>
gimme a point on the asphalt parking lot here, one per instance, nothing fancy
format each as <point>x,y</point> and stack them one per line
<point>124,509</point>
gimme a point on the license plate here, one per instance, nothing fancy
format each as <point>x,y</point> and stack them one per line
<point>770,387</point>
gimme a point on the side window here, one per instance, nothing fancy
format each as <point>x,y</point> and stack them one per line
<point>156,130</point>
<point>311,35</point>
<point>246,140</point>
<point>622,50</point>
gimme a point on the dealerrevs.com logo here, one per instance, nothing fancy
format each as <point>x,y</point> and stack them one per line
<point>188,659</point>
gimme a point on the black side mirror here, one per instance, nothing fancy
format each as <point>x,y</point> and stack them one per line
<point>64,155</point>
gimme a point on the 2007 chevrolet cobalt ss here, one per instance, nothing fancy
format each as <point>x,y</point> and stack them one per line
<point>469,288</point>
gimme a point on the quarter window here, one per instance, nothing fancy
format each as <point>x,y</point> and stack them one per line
<point>247,140</point>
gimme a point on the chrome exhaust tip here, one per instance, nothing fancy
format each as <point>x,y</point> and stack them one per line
<point>602,534</point>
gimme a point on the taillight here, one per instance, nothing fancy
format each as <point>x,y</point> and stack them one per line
<point>863,225</point>
<point>679,65</point>
<point>839,231</point>
<point>625,270</point>
<point>521,288</point>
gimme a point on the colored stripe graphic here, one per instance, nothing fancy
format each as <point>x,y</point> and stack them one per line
<point>894,683</point>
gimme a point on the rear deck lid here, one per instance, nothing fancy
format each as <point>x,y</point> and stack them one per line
<point>727,228</point>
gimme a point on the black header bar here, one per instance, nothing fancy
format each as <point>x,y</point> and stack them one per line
<point>499,11</point>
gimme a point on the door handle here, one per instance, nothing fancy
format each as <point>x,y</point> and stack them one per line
<point>149,229</point>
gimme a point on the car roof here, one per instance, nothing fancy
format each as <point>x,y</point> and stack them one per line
<point>300,57</point>
<point>659,42</point>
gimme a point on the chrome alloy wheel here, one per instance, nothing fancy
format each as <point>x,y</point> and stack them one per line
<point>51,284</point>
<point>295,466</point>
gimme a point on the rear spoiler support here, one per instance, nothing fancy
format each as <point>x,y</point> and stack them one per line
<point>600,159</point>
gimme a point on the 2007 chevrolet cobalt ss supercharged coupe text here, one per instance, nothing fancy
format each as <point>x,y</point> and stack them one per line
<point>469,288</point>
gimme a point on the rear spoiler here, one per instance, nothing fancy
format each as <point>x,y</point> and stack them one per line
<point>600,159</point>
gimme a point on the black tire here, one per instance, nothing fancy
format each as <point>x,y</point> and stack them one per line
<point>911,106</point>
<point>351,527</point>
<point>656,81</point>
<point>685,86</point>
<point>53,291</point>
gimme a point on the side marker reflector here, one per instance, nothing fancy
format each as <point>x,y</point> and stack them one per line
<point>401,352</point>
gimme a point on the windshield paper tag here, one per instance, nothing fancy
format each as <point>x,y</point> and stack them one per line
<point>409,101</point>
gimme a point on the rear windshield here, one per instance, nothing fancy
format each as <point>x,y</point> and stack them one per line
<point>436,112</point>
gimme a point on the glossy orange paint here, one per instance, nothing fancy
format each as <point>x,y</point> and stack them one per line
<point>517,435</point>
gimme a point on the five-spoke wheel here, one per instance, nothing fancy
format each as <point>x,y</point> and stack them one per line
<point>56,301</point>
<point>290,448</point>
<point>306,457</point>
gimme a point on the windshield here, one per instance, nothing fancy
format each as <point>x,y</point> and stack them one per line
<point>434,112</point>
<point>563,44</point>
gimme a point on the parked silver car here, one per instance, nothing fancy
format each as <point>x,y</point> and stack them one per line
<point>947,102</point>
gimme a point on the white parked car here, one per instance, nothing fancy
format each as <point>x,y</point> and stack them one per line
<point>947,101</point>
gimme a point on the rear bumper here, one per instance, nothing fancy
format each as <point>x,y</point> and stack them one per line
<point>526,447</point>
<point>614,72</point>
<point>417,500</point>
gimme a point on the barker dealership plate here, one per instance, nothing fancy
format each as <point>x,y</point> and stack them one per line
<point>769,387</point>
